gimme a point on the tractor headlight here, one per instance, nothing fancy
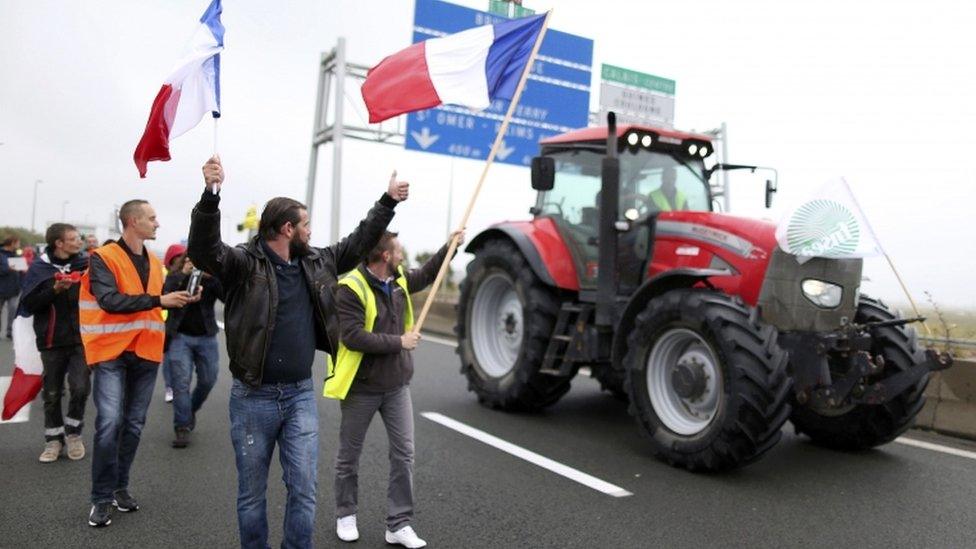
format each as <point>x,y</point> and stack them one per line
<point>632,139</point>
<point>822,294</point>
<point>647,140</point>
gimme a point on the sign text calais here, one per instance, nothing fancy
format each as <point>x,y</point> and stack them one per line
<point>556,97</point>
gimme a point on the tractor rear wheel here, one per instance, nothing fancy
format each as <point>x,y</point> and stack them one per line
<point>506,316</point>
<point>706,379</point>
<point>864,426</point>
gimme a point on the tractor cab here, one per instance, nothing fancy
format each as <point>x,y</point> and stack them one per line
<point>660,171</point>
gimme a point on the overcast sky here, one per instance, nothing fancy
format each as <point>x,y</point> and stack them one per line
<point>881,93</point>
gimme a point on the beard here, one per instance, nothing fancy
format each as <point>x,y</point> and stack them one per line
<point>298,248</point>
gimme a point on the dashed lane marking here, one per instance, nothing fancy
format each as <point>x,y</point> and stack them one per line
<point>936,447</point>
<point>528,455</point>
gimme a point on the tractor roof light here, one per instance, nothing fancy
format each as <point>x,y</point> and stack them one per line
<point>632,139</point>
<point>647,140</point>
<point>692,149</point>
<point>703,152</point>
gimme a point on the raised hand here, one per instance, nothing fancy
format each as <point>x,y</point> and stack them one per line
<point>213,173</point>
<point>398,190</point>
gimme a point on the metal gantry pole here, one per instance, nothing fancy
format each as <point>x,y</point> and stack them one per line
<point>337,134</point>
<point>313,159</point>
<point>726,199</point>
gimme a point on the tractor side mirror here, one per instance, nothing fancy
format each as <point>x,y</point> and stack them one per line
<point>543,173</point>
<point>770,191</point>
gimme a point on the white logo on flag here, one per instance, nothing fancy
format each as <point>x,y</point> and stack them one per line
<point>828,224</point>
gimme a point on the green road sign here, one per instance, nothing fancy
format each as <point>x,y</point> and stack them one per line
<point>503,8</point>
<point>628,77</point>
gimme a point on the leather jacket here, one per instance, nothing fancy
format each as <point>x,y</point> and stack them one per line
<point>250,287</point>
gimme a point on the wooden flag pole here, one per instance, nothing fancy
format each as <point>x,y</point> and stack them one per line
<point>477,190</point>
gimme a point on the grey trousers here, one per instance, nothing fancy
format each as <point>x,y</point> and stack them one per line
<point>11,304</point>
<point>396,409</point>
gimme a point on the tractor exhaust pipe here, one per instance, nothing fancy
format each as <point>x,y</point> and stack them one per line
<point>606,293</point>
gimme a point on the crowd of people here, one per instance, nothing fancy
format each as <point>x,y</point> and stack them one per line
<point>106,317</point>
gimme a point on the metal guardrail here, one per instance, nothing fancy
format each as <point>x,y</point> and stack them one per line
<point>951,341</point>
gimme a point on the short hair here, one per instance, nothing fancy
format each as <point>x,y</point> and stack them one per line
<point>277,212</point>
<point>56,232</point>
<point>131,209</point>
<point>384,245</point>
<point>9,241</point>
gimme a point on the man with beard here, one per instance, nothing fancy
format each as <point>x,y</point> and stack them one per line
<point>51,298</point>
<point>372,374</point>
<point>279,308</point>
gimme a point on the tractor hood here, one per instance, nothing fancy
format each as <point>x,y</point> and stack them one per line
<point>745,237</point>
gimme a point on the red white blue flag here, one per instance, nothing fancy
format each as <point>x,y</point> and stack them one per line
<point>191,91</point>
<point>470,68</point>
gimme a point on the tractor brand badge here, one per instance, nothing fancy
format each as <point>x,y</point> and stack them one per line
<point>823,228</point>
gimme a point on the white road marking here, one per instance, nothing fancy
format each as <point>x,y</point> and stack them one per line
<point>936,447</point>
<point>439,340</point>
<point>528,455</point>
<point>23,414</point>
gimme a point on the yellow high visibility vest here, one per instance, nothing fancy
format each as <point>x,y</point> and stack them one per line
<point>343,371</point>
<point>107,335</point>
<point>661,201</point>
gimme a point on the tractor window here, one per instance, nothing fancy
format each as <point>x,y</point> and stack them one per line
<point>653,182</point>
<point>573,198</point>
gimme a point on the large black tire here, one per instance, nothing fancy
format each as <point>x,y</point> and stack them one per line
<point>866,426</point>
<point>755,387</point>
<point>522,388</point>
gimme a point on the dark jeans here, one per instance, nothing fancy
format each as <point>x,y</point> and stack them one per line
<point>358,409</point>
<point>284,414</point>
<point>58,363</point>
<point>123,389</point>
<point>11,303</point>
<point>167,371</point>
<point>185,353</point>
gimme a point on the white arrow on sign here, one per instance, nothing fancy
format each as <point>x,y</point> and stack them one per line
<point>424,138</point>
<point>504,151</point>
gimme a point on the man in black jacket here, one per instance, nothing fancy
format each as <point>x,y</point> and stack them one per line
<point>51,296</point>
<point>381,383</point>
<point>279,308</point>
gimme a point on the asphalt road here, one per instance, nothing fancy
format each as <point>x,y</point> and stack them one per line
<point>470,494</point>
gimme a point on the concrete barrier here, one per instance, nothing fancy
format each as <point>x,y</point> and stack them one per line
<point>951,405</point>
<point>950,408</point>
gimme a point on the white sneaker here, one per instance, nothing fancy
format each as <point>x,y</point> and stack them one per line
<point>406,537</point>
<point>52,449</point>
<point>169,395</point>
<point>346,528</point>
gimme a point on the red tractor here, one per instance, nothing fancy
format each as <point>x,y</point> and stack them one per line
<point>713,333</point>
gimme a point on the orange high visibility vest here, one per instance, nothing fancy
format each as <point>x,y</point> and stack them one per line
<point>107,335</point>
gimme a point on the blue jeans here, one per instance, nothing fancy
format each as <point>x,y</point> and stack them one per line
<point>167,375</point>
<point>185,352</point>
<point>284,414</point>
<point>122,390</point>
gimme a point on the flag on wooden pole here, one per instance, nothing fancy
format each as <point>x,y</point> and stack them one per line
<point>470,68</point>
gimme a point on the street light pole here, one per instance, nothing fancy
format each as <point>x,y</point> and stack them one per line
<point>34,207</point>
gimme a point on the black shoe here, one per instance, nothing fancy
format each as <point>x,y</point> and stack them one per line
<point>101,515</point>
<point>182,438</point>
<point>124,502</point>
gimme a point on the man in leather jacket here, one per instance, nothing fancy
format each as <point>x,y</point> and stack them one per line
<point>279,308</point>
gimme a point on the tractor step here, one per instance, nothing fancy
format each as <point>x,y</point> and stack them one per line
<point>566,340</point>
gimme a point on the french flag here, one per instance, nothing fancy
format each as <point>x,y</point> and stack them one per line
<point>470,68</point>
<point>28,369</point>
<point>191,91</point>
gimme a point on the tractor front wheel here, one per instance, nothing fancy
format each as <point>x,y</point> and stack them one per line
<point>865,426</point>
<point>706,379</point>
